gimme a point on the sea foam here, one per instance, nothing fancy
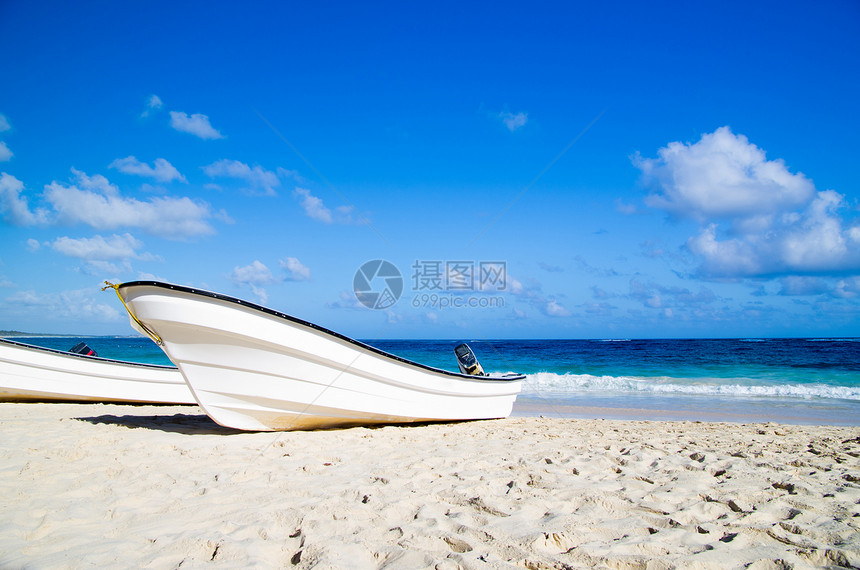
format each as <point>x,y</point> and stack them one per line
<point>542,382</point>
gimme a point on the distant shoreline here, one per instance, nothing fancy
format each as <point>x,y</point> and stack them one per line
<point>12,334</point>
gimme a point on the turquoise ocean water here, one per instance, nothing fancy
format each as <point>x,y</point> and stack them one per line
<point>811,380</point>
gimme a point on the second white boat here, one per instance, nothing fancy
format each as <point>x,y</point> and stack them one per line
<point>254,368</point>
<point>34,374</point>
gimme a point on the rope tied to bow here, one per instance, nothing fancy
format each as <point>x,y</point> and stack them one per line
<point>155,338</point>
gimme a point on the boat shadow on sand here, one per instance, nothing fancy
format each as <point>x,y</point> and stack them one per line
<point>201,424</point>
<point>188,424</point>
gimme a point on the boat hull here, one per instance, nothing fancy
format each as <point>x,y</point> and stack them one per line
<point>256,369</point>
<point>31,373</point>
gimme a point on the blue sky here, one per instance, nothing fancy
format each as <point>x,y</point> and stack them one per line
<point>680,170</point>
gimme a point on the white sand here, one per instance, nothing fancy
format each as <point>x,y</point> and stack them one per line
<point>113,486</point>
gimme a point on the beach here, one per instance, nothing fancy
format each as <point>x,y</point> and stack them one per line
<point>120,486</point>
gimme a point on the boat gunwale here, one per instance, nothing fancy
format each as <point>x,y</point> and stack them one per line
<point>318,328</point>
<point>85,357</point>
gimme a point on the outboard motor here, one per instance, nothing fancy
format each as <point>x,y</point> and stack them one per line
<point>467,361</point>
<point>82,348</point>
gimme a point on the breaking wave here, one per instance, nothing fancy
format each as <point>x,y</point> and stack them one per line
<point>543,382</point>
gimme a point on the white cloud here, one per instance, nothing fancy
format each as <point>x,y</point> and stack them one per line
<point>346,215</point>
<point>722,175</point>
<point>97,203</point>
<point>554,309</point>
<point>284,173</point>
<point>101,255</point>
<point>98,267</point>
<point>295,270</point>
<point>257,274</point>
<point>14,207</point>
<point>5,153</point>
<point>4,123</point>
<point>162,170</point>
<point>95,183</point>
<point>803,285</point>
<point>531,293</point>
<point>347,300</point>
<point>74,305</point>
<point>812,241</point>
<point>513,121</point>
<point>116,247</point>
<point>515,287</point>
<point>816,241</point>
<point>146,276</point>
<point>260,181</point>
<point>152,104</point>
<point>196,124</point>
<point>315,209</point>
<point>809,286</point>
<point>848,288</point>
<point>758,219</point>
<point>254,275</point>
<point>518,314</point>
<point>33,244</point>
<point>313,206</point>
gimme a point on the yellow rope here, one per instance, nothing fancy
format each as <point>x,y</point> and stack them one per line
<point>155,338</point>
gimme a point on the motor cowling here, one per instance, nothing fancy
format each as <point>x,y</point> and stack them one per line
<point>468,362</point>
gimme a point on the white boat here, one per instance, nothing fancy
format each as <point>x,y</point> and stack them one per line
<point>33,373</point>
<point>254,368</point>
